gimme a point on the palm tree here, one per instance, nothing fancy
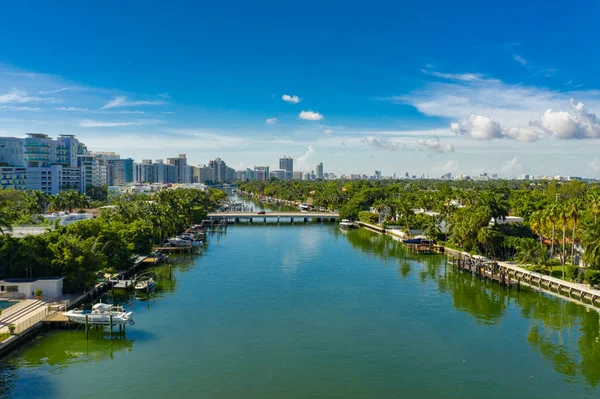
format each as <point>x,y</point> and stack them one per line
<point>594,203</point>
<point>537,221</point>
<point>591,242</point>
<point>552,214</point>
<point>574,209</point>
<point>6,219</point>
<point>564,220</point>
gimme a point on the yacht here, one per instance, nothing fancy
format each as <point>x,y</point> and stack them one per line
<point>146,285</point>
<point>347,224</point>
<point>101,315</point>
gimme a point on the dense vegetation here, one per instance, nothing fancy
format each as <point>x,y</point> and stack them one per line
<point>132,226</point>
<point>556,215</point>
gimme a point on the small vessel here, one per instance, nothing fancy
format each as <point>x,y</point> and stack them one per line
<point>101,315</point>
<point>184,240</point>
<point>146,285</point>
<point>347,224</point>
<point>417,240</point>
<point>304,207</point>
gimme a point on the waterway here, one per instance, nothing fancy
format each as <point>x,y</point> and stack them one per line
<point>310,311</point>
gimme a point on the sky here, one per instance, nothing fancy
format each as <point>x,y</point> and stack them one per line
<point>420,87</point>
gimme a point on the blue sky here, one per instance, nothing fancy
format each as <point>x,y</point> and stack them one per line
<point>502,87</point>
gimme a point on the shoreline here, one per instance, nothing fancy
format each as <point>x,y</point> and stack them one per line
<point>577,293</point>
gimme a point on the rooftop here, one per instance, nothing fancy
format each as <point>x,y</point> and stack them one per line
<point>30,280</point>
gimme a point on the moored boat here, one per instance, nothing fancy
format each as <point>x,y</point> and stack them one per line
<point>347,224</point>
<point>101,314</point>
<point>146,285</point>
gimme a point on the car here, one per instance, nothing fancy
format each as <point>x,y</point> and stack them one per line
<point>262,212</point>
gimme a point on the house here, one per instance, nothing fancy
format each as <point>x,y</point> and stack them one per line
<point>24,288</point>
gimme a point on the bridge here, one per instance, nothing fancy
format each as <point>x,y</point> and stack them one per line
<point>237,217</point>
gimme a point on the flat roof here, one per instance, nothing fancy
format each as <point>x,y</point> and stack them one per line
<point>29,280</point>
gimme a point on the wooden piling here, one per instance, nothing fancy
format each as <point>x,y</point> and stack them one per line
<point>111,326</point>
<point>86,327</point>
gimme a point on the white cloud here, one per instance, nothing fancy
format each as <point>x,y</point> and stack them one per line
<point>123,101</point>
<point>381,143</point>
<point>520,59</point>
<point>328,131</point>
<point>464,77</point>
<point>132,112</point>
<point>19,96</point>
<point>58,90</point>
<point>93,123</point>
<point>291,99</point>
<point>449,167</point>
<point>71,109</point>
<point>302,160</point>
<point>435,145</point>
<point>478,127</point>
<point>165,95</point>
<point>526,134</point>
<point>11,108</point>
<point>272,121</point>
<point>310,116</point>
<point>512,167</point>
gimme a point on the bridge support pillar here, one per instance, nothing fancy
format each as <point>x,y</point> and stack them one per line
<point>305,220</point>
<point>265,220</point>
<point>277,219</point>
<point>237,220</point>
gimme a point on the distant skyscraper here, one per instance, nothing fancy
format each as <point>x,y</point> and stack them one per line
<point>286,163</point>
<point>319,171</point>
<point>262,172</point>
<point>378,174</point>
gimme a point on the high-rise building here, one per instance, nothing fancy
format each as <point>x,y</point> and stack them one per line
<point>120,171</point>
<point>280,174</point>
<point>378,174</point>
<point>262,172</point>
<point>319,171</point>
<point>297,176</point>
<point>287,163</point>
<point>181,166</point>
<point>38,162</point>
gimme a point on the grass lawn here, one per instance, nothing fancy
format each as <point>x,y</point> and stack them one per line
<point>3,336</point>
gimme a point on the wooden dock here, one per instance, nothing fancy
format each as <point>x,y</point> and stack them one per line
<point>175,250</point>
<point>485,270</point>
<point>56,317</point>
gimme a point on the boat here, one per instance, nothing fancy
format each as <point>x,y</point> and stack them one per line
<point>347,224</point>
<point>417,240</point>
<point>146,285</point>
<point>101,315</point>
<point>184,240</point>
<point>304,207</point>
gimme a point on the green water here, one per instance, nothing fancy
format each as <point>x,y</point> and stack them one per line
<point>307,311</point>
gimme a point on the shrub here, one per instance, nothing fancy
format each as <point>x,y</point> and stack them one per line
<point>572,272</point>
<point>368,217</point>
<point>592,277</point>
<point>38,292</point>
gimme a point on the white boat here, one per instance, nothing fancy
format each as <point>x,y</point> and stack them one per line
<point>146,285</point>
<point>304,207</point>
<point>184,240</point>
<point>101,315</point>
<point>346,224</point>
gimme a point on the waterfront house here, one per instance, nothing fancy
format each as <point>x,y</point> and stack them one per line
<point>24,288</point>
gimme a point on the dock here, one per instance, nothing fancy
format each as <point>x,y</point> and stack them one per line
<point>486,270</point>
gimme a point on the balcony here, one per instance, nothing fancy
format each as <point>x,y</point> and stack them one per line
<point>36,151</point>
<point>36,145</point>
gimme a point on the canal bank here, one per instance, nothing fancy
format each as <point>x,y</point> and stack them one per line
<point>310,310</point>
<point>580,293</point>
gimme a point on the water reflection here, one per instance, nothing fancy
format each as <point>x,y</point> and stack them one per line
<point>566,334</point>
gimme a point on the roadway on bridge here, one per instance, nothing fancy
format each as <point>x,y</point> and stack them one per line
<point>322,215</point>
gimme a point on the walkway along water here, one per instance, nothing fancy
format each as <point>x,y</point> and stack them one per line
<point>510,274</point>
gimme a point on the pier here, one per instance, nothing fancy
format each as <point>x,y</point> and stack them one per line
<point>250,217</point>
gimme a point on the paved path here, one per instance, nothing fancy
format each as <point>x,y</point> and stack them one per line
<point>22,311</point>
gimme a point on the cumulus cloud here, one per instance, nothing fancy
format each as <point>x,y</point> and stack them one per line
<point>123,101</point>
<point>271,121</point>
<point>290,99</point>
<point>577,124</point>
<point>328,131</point>
<point>478,127</point>
<point>20,108</point>
<point>304,159</point>
<point>310,116</point>
<point>512,167</point>
<point>435,145</point>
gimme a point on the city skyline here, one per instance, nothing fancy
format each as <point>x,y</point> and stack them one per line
<point>358,97</point>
